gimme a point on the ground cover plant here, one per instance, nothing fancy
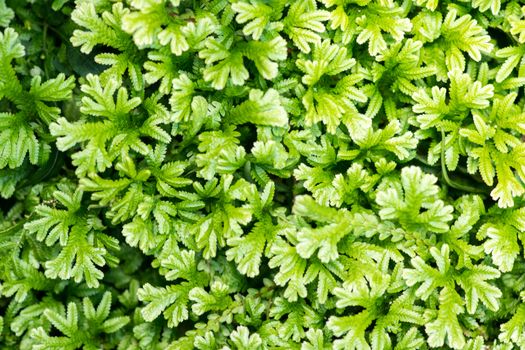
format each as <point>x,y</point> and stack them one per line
<point>262,174</point>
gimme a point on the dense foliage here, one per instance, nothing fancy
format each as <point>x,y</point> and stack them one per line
<point>262,174</point>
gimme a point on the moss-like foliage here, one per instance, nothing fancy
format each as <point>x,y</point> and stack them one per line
<point>262,174</point>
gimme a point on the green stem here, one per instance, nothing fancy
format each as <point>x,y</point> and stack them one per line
<point>12,229</point>
<point>44,49</point>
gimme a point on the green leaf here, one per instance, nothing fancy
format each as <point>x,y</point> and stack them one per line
<point>416,191</point>
<point>446,326</point>
<point>266,55</point>
<point>323,239</point>
<point>260,109</point>
<point>171,301</point>
<point>463,34</point>
<point>242,339</point>
<point>247,250</point>
<point>476,289</point>
<point>6,14</point>
<point>230,65</point>
<point>10,46</point>
<point>501,242</point>
<point>256,16</point>
<point>303,24</point>
<point>512,330</point>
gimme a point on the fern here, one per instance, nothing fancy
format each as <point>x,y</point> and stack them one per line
<point>262,174</point>
<point>76,335</point>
